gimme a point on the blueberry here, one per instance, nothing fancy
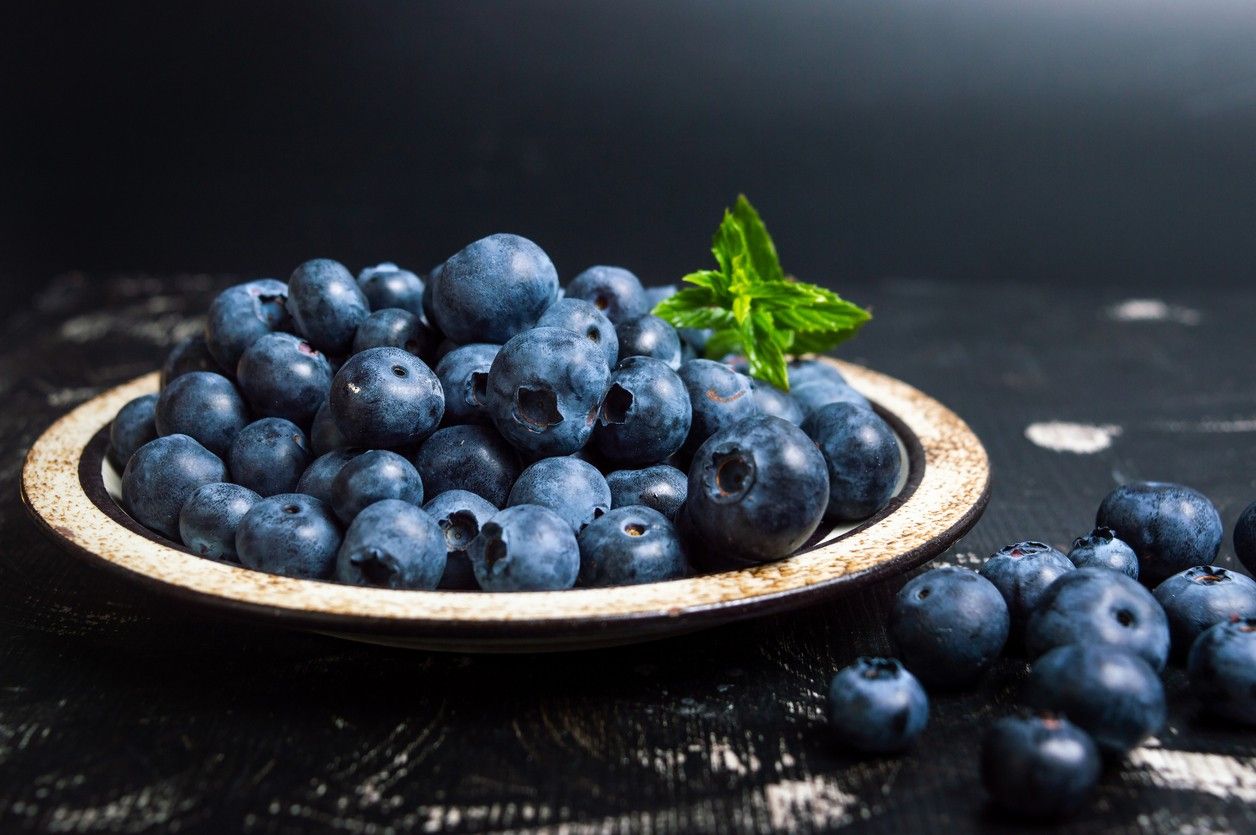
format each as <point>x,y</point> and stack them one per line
<point>612,290</point>
<point>460,514</point>
<point>395,328</point>
<point>1101,549</point>
<point>648,336</point>
<point>387,285</point>
<point>269,456</point>
<point>646,414</point>
<point>429,299</point>
<point>719,395</point>
<point>628,546</point>
<point>814,383</point>
<point>493,289</point>
<point>291,534</point>
<point>544,390</point>
<point>1039,766</point>
<point>392,545</point>
<point>1099,606</point>
<point>386,397</point>
<point>373,477</point>
<point>949,625</point>
<point>1022,573</point>
<point>1199,597</point>
<point>661,487</point>
<point>525,548</point>
<point>757,490</point>
<point>192,354</point>
<point>572,488</point>
<point>1245,537</point>
<point>579,316</point>
<point>463,375</point>
<point>876,706</point>
<point>284,376</point>
<point>326,305</point>
<point>243,314</point>
<point>317,479</point>
<point>202,405</point>
<point>803,372</point>
<point>1169,526</point>
<point>133,426</point>
<point>654,295</point>
<point>469,457</point>
<point>161,475</point>
<point>209,518</point>
<point>773,401</point>
<point>1111,694</point>
<point>324,433</point>
<point>1222,669</point>
<point>862,456</point>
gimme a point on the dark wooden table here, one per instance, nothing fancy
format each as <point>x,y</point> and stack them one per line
<point>123,712</point>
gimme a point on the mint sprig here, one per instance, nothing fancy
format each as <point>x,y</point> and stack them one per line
<point>753,308</point>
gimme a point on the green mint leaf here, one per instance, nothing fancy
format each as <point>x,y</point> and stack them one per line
<point>729,243</point>
<point>759,243</point>
<point>723,342</point>
<point>766,359</point>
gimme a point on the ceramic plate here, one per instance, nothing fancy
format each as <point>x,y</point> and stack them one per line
<point>70,488</point>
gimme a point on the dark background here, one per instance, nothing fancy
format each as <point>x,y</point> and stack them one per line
<point>1031,141</point>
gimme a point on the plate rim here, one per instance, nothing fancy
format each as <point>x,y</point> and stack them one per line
<point>59,484</point>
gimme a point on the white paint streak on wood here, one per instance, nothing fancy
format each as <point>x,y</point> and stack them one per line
<point>1210,427</point>
<point>1229,778</point>
<point>1153,310</point>
<point>1077,438</point>
<point>811,803</point>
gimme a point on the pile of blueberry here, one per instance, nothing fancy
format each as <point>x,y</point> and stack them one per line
<point>484,428</point>
<point>1096,638</point>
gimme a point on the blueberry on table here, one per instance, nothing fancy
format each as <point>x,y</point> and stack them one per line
<point>862,456</point>
<point>525,548</point>
<point>648,336</point>
<point>773,401</point>
<point>814,383</point>
<point>544,390</point>
<point>284,376</point>
<point>269,456</point>
<point>373,477</point>
<point>387,285</point>
<point>1222,670</point>
<point>948,626</point>
<point>324,433</point>
<point>1098,606</point>
<point>133,426</point>
<point>1245,537</point>
<point>876,706</point>
<point>1101,549</point>
<point>1169,526</point>
<point>720,397</point>
<point>210,517</point>
<point>572,488</point>
<point>192,354</point>
<point>630,545</point>
<point>386,397</point>
<point>392,545</point>
<point>317,479</point>
<point>291,534</point>
<point>459,514</point>
<point>395,328</point>
<point>1039,765</point>
<point>646,414</point>
<point>757,491</point>
<point>493,289</point>
<point>1111,694</point>
<point>661,487</point>
<point>202,405</point>
<point>613,290</point>
<point>161,475</point>
<point>429,299</point>
<point>243,314</point>
<point>463,375</point>
<point>654,295</point>
<point>1199,597</point>
<point>579,316</point>
<point>1022,573</point>
<point>326,305</point>
<point>468,457</point>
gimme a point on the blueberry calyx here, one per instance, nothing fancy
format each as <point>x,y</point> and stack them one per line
<point>879,668</point>
<point>377,566</point>
<point>495,548</point>
<point>537,407</point>
<point>479,387</point>
<point>730,475</point>
<point>1099,535</point>
<point>460,528</point>
<point>1025,549</point>
<point>616,405</point>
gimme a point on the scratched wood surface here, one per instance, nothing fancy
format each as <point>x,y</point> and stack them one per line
<point>123,712</point>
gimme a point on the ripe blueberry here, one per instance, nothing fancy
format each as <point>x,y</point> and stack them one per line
<point>525,548</point>
<point>386,397</point>
<point>876,706</point>
<point>392,545</point>
<point>1169,526</point>
<point>630,545</point>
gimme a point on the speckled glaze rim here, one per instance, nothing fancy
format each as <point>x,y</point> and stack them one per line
<point>947,489</point>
